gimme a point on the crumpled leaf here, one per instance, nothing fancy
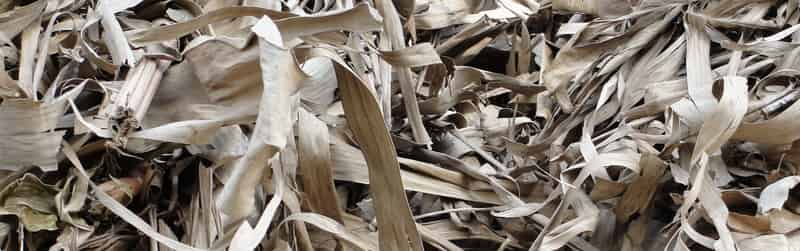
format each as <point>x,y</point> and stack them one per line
<point>32,201</point>
<point>281,78</point>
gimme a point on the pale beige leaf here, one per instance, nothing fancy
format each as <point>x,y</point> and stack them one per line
<point>397,228</point>
<point>313,148</point>
<point>281,78</point>
<point>418,55</point>
<point>775,194</point>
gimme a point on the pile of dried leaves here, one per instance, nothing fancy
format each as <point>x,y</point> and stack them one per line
<point>400,125</point>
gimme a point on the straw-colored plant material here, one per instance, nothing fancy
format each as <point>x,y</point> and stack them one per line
<point>399,125</point>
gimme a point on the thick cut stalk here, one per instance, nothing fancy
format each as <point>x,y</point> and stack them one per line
<point>137,93</point>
